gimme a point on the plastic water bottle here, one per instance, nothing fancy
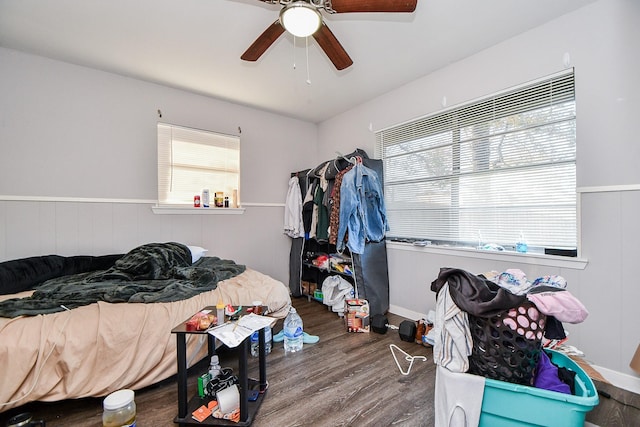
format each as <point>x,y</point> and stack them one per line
<point>255,343</point>
<point>267,340</point>
<point>214,367</point>
<point>521,245</point>
<point>293,331</point>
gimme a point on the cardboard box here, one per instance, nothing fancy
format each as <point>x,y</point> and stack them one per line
<point>356,315</point>
<point>308,288</point>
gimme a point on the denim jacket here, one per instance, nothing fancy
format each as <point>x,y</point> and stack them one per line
<point>362,211</point>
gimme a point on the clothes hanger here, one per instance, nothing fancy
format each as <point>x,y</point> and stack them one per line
<point>407,357</point>
<point>352,160</point>
<point>356,160</point>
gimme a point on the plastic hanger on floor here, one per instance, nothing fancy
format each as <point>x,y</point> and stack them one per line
<point>409,358</point>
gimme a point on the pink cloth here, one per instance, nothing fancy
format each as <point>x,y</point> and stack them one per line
<point>561,305</point>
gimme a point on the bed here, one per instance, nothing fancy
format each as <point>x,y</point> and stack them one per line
<point>98,343</point>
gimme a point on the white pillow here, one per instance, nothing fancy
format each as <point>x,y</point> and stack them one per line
<point>197,252</point>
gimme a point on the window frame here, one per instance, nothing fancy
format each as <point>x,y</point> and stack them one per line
<point>439,123</point>
<point>172,137</point>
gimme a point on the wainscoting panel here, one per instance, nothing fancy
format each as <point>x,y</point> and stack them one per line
<point>93,227</point>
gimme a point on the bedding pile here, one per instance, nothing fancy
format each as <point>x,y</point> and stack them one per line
<point>100,346</point>
<point>155,272</point>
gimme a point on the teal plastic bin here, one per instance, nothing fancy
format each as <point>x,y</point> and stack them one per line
<point>508,404</point>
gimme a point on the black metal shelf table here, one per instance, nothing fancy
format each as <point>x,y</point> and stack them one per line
<point>248,408</point>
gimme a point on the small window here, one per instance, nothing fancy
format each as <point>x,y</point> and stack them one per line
<point>190,160</point>
<point>492,171</point>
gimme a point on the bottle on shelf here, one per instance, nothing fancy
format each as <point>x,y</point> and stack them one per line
<point>214,367</point>
<point>293,330</point>
<point>205,198</point>
<point>267,339</point>
<point>521,245</point>
<point>220,312</point>
<point>255,343</point>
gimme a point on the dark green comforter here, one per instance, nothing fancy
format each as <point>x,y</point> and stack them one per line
<point>155,272</point>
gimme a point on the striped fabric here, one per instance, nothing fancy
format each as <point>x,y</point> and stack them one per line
<point>453,342</point>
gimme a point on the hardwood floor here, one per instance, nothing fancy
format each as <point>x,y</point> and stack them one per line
<point>346,379</point>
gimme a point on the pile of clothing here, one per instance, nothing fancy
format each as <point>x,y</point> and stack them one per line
<point>461,294</point>
<point>512,307</point>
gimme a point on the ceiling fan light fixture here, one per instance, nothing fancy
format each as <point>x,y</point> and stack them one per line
<point>300,18</point>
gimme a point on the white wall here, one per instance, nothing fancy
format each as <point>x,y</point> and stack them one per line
<point>602,41</point>
<point>78,165</point>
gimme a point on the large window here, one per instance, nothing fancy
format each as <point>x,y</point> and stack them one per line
<point>190,160</point>
<point>492,171</point>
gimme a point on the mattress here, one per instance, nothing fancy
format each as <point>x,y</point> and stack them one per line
<point>98,348</point>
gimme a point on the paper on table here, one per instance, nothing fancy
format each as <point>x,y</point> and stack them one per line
<point>233,333</point>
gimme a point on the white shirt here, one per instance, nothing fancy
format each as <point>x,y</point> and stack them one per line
<point>293,226</point>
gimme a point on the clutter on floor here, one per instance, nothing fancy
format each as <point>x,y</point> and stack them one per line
<point>501,327</point>
<point>407,358</point>
<point>306,338</point>
<point>357,315</point>
<point>335,291</point>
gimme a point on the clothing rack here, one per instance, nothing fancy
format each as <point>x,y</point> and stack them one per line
<point>370,272</point>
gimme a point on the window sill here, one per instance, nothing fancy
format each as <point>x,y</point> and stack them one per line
<point>513,257</point>
<point>189,210</point>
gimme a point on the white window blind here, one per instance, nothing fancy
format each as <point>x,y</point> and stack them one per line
<point>488,171</point>
<point>190,160</point>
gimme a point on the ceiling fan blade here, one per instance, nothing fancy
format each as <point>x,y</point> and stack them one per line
<point>345,6</point>
<point>263,42</point>
<point>332,47</point>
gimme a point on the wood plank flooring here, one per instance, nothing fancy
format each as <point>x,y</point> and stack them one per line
<point>346,379</point>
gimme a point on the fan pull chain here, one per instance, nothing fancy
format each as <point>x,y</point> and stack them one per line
<point>306,39</point>
<point>307,51</point>
<point>294,52</point>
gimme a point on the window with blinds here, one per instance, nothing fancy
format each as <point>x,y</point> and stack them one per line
<point>495,170</point>
<point>190,160</point>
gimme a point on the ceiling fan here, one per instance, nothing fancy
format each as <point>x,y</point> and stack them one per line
<point>309,11</point>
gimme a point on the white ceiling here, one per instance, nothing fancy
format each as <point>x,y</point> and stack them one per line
<point>196,45</point>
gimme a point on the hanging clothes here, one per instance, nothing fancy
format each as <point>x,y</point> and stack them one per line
<point>293,225</point>
<point>322,224</point>
<point>308,212</point>
<point>334,209</point>
<point>362,210</point>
